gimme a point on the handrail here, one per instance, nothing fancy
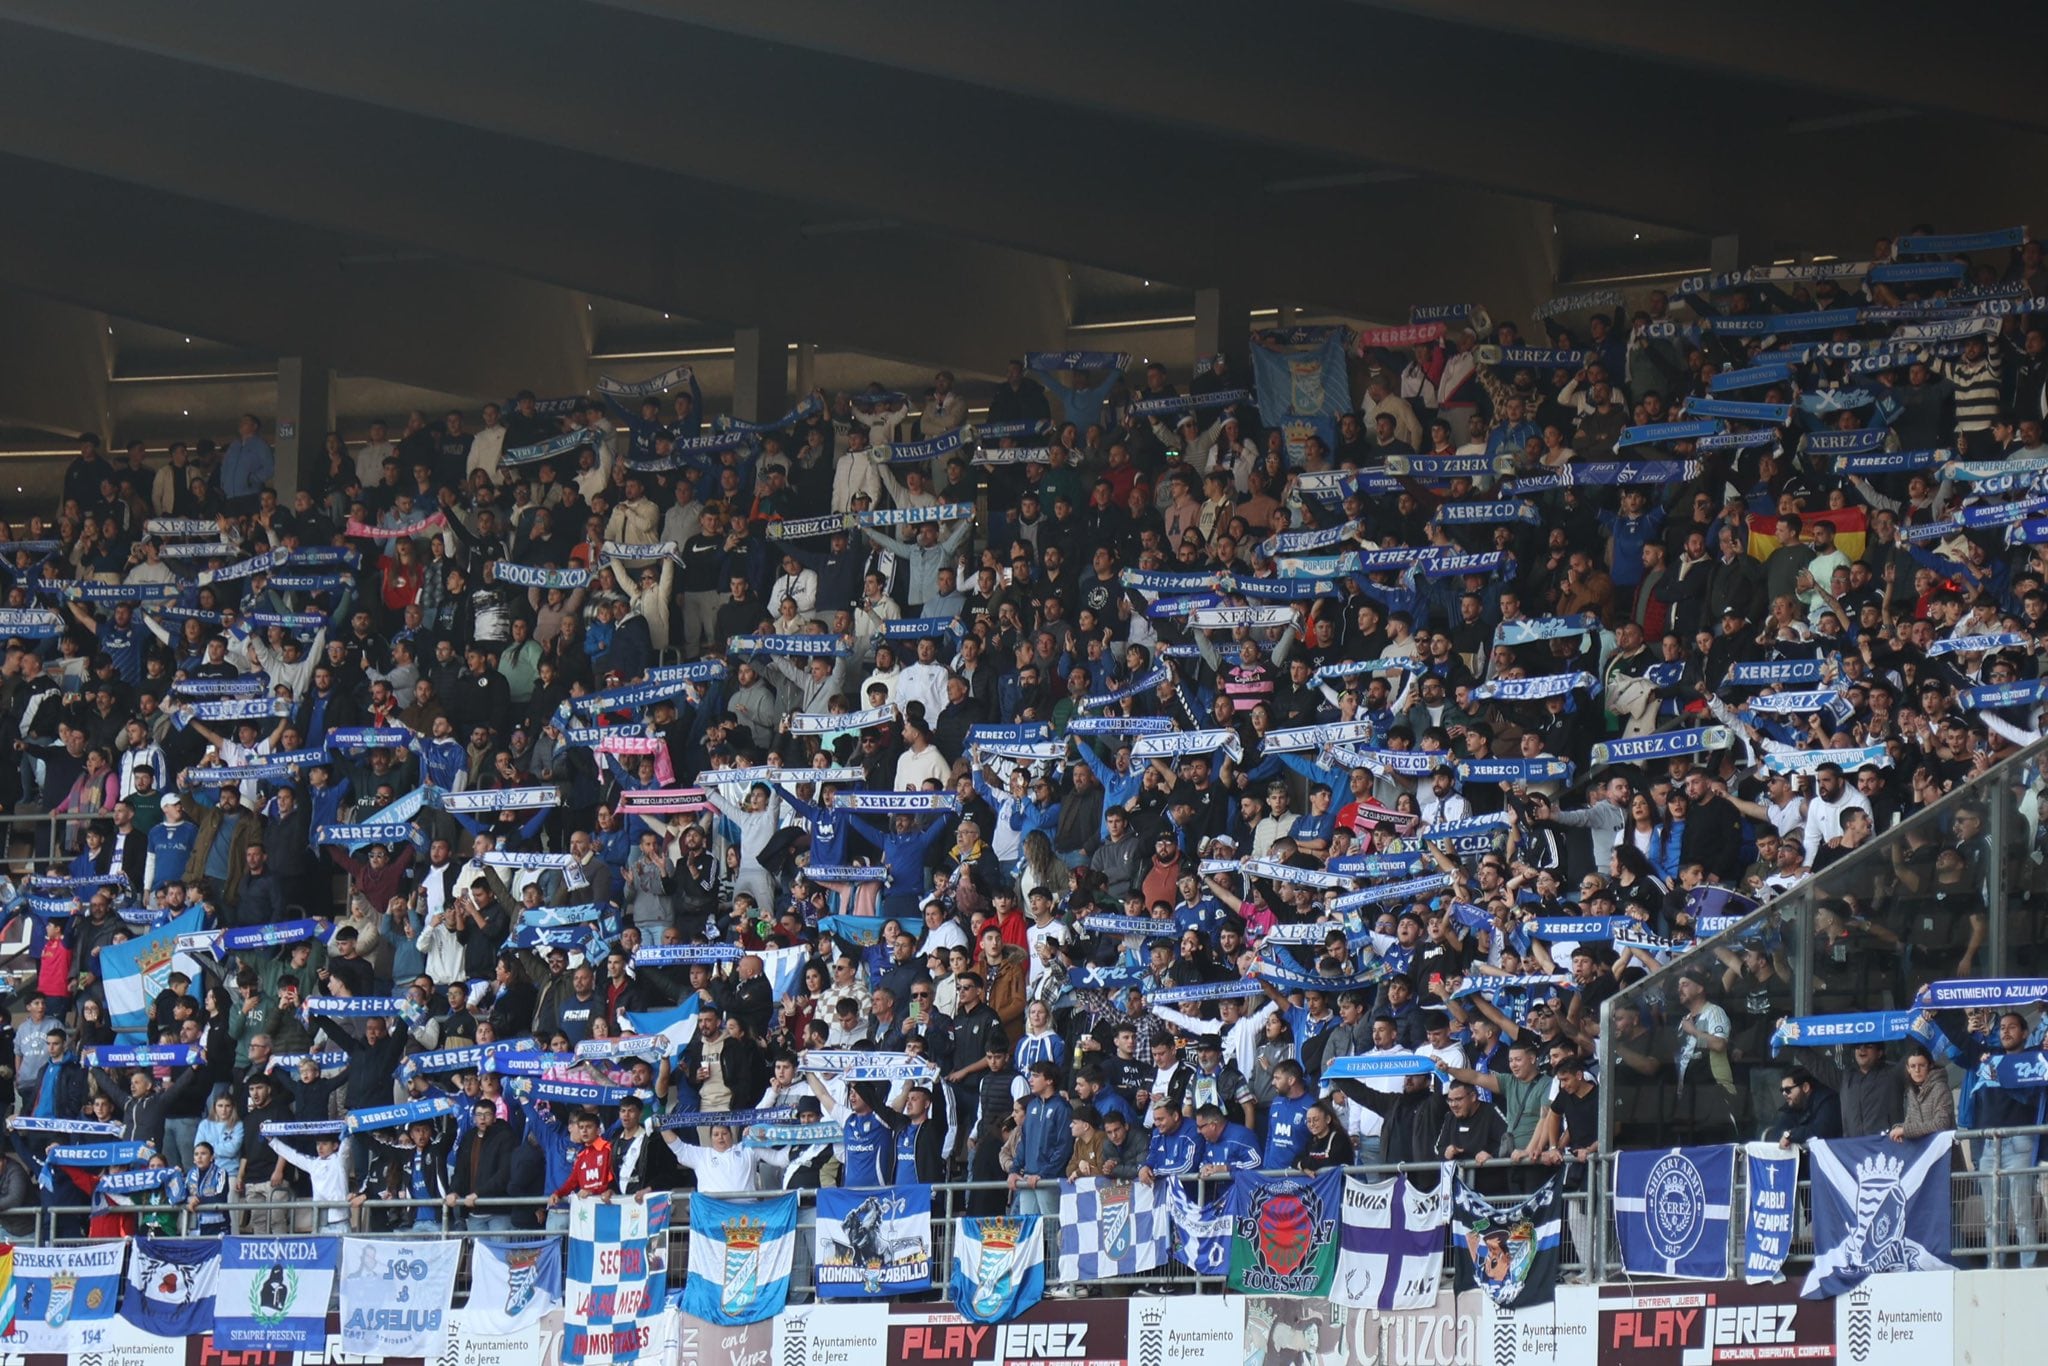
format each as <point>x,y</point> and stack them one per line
<point>1792,900</point>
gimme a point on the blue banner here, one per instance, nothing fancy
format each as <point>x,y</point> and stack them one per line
<point>1877,1206</point>
<point>1303,386</point>
<point>1671,1211</point>
<point>874,1244</point>
<point>1772,1181</point>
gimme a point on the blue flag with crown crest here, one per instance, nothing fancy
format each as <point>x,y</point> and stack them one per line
<point>998,1268</point>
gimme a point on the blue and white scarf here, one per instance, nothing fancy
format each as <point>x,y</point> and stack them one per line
<point>1533,689</point>
<point>1528,632</point>
<point>806,646</point>
<point>1447,565</point>
<point>811,407</point>
<point>266,767</point>
<point>1285,588</point>
<point>1139,925</point>
<point>1759,376</point>
<point>1204,991</point>
<point>1119,725</point>
<point>222,687</point>
<point>1407,762</point>
<point>1273,870</point>
<point>1023,733</point>
<point>1816,700</point>
<point>383,832</point>
<point>1662,745</point>
<point>1807,760</point>
<point>1173,744</point>
<point>1622,473</point>
<point>917,628</point>
<point>793,1135</point>
<point>859,1065</point>
<point>1776,414</point>
<point>1958,243</point>
<point>76,1128</point>
<point>1736,441</point>
<point>150,1055</point>
<point>1161,407</point>
<point>1230,618</point>
<point>1294,542</point>
<point>1376,865</point>
<point>1656,433</point>
<point>1539,358</point>
<point>1016,455</point>
<point>787,777</point>
<point>499,799</point>
<point>1411,889</point>
<point>526,576</point>
<point>1890,462</point>
<point>1573,303</point>
<point>803,528</point>
<point>552,447</point>
<point>662,955</point>
<point>356,739</point>
<point>944,512</point>
<point>1010,431</point>
<point>1143,683</point>
<point>360,1007</point>
<point>1514,770</point>
<point>917,452</point>
<point>327,1060</point>
<point>646,388</point>
<point>730,1119</point>
<point>1820,1031</point>
<point>828,723</point>
<point>844,872</point>
<point>31,623</point>
<point>1977,644</point>
<point>1988,993</point>
<point>1170,580</point>
<point>1296,738</point>
<point>893,803</point>
<point>1987,695</point>
<point>1481,514</point>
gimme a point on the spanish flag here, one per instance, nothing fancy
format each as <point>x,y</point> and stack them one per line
<point>1850,524</point>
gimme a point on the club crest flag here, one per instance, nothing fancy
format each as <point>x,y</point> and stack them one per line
<point>170,1286</point>
<point>740,1255</point>
<point>1110,1228</point>
<point>1201,1233</point>
<point>998,1268</point>
<point>136,970</point>
<point>1510,1253</point>
<point>1671,1211</point>
<point>1767,1232</point>
<point>272,1293</point>
<point>395,1295</point>
<point>1877,1206</point>
<point>873,1243</point>
<point>1284,1233</point>
<point>513,1285</point>
<point>56,1287</point>
<point>617,1280</point>
<point>1390,1252</point>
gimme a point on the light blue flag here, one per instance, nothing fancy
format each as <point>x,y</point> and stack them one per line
<point>740,1256</point>
<point>998,1268</point>
<point>135,971</point>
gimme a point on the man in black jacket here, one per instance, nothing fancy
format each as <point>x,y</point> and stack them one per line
<point>260,899</point>
<point>372,1060</point>
<point>1810,1110</point>
<point>1713,831</point>
<point>148,1105</point>
<point>483,1170</point>
<point>640,1159</point>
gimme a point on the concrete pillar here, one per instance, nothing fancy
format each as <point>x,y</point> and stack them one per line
<point>760,374</point>
<point>305,410</point>
<point>1223,323</point>
<point>806,378</point>
<point>1724,254</point>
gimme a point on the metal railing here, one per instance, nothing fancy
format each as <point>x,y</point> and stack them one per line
<point>1982,1203</point>
<point>1863,969</point>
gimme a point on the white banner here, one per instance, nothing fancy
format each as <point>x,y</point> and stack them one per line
<point>395,1295</point>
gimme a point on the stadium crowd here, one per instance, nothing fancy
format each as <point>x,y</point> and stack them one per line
<point>1163,763</point>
